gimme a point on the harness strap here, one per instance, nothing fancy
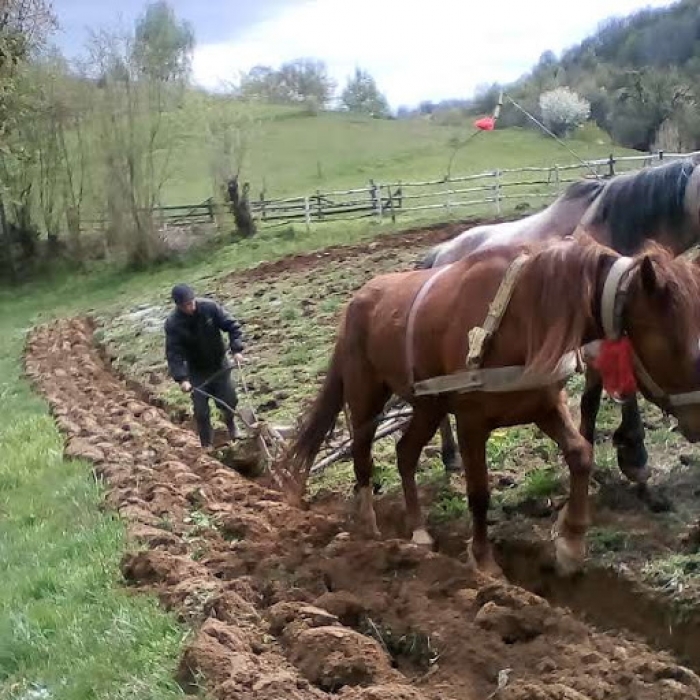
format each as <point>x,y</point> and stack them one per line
<point>614,296</point>
<point>480,335</point>
<point>410,331</point>
<point>497,379</point>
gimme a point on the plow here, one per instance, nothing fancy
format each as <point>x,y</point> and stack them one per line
<point>260,450</point>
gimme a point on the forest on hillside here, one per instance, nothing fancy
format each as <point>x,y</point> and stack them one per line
<point>640,74</point>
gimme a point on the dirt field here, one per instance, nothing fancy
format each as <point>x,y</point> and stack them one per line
<point>291,604</point>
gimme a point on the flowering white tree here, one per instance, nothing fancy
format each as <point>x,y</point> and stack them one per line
<point>563,110</point>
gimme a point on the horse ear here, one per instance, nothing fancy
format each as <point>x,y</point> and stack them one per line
<point>650,282</point>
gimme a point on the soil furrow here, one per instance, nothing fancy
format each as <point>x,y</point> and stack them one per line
<point>291,604</point>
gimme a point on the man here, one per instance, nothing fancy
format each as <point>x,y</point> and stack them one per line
<point>196,356</point>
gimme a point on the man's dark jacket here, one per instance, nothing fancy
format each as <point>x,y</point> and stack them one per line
<point>194,345</point>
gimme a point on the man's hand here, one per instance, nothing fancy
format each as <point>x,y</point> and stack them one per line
<point>186,387</point>
<point>239,357</point>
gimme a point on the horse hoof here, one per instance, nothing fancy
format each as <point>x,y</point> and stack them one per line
<point>453,464</point>
<point>570,555</point>
<point>422,538</point>
<point>485,564</point>
<point>637,475</point>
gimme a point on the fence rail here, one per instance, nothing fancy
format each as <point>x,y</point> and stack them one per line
<point>491,188</point>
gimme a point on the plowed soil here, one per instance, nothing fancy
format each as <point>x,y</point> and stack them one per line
<point>289,603</point>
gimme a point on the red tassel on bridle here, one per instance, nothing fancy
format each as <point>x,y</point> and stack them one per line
<point>616,367</point>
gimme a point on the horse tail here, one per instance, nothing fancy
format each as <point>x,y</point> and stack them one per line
<point>319,420</point>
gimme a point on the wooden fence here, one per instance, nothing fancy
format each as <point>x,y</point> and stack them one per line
<point>495,188</point>
<point>492,188</point>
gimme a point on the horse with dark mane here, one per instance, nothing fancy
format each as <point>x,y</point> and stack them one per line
<point>407,334</point>
<point>660,204</point>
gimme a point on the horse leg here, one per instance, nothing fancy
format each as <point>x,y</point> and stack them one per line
<point>366,398</point>
<point>421,428</point>
<point>590,404</point>
<point>472,445</point>
<point>632,456</point>
<point>574,518</point>
<point>450,457</point>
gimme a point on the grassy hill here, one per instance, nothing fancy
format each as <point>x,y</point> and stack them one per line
<point>290,152</point>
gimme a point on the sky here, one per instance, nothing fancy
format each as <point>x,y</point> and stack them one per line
<point>434,50</point>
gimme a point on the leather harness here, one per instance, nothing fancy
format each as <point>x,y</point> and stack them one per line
<point>513,378</point>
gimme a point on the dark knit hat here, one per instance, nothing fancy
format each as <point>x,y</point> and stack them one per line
<point>182,293</point>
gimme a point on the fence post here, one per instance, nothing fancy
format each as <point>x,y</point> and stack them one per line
<point>262,205</point>
<point>210,203</point>
<point>661,154</point>
<point>497,192</point>
<point>391,203</point>
<point>319,206</point>
<point>611,165</point>
<point>557,178</point>
<point>307,214</point>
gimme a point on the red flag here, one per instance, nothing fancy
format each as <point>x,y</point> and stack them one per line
<point>485,123</point>
<point>616,368</point>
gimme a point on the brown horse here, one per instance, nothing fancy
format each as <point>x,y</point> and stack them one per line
<point>397,331</point>
<point>660,204</point>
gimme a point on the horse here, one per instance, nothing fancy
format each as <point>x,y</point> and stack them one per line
<point>660,203</point>
<point>405,330</point>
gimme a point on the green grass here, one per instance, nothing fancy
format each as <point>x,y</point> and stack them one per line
<point>290,152</point>
<point>66,629</point>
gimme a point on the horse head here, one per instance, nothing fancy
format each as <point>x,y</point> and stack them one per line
<point>661,317</point>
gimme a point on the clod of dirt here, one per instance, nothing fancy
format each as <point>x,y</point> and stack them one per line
<point>390,691</point>
<point>507,596</point>
<point>333,657</point>
<point>157,567</point>
<point>239,526</point>
<point>512,627</point>
<point>216,653</point>
<point>556,691</point>
<point>230,607</point>
<point>344,605</point>
<point>78,448</point>
<point>155,537</point>
<point>282,615</point>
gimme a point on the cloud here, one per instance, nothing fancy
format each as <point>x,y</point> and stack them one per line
<point>213,20</point>
<point>444,48</point>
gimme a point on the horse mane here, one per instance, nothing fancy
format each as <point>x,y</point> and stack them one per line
<point>562,280</point>
<point>587,190</point>
<point>635,205</point>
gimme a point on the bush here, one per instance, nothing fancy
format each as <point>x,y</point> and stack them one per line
<point>563,110</point>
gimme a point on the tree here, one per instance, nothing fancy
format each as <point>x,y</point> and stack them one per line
<point>647,100</point>
<point>229,135</point>
<point>299,81</point>
<point>163,45</point>
<point>563,110</point>
<point>24,26</point>
<point>139,128</point>
<point>362,95</point>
